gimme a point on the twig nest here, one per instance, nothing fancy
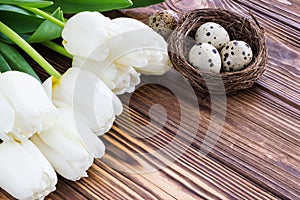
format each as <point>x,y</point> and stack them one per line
<point>163,22</point>
<point>212,33</point>
<point>239,28</point>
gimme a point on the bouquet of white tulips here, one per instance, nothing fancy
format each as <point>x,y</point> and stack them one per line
<point>55,125</point>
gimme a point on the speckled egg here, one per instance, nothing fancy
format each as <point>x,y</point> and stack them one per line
<point>205,57</point>
<point>212,33</point>
<point>163,22</point>
<point>236,55</point>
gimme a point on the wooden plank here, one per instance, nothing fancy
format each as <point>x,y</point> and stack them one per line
<point>105,182</point>
<point>65,191</point>
<point>282,75</point>
<point>259,140</point>
<point>257,155</point>
<point>193,175</point>
<point>5,195</point>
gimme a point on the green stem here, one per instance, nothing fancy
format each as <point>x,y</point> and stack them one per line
<point>57,48</point>
<point>28,49</point>
<point>45,15</point>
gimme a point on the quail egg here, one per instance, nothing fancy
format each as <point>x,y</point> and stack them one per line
<point>212,33</point>
<point>163,22</point>
<point>236,55</point>
<point>205,57</point>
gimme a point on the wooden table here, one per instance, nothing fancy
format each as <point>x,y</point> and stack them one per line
<point>257,155</point>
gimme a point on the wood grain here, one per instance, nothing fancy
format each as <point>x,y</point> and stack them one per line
<point>257,154</point>
<point>247,141</point>
<point>198,168</point>
<point>272,115</point>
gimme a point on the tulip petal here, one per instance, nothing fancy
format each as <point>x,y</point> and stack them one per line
<point>96,67</point>
<point>41,160</point>
<point>7,117</point>
<point>62,139</point>
<point>88,95</point>
<point>33,107</point>
<point>47,85</point>
<point>93,144</point>
<point>126,80</point>
<point>29,175</point>
<point>117,105</point>
<point>142,33</point>
<point>69,145</point>
<point>76,122</point>
<point>85,31</point>
<point>104,107</point>
<point>58,161</point>
<point>141,48</point>
<point>129,24</point>
<point>118,78</point>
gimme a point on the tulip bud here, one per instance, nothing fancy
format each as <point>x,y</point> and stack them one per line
<point>85,93</point>
<point>117,50</point>
<point>91,29</point>
<point>24,171</point>
<point>64,146</point>
<point>25,104</point>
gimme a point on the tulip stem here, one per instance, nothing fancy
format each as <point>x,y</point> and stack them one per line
<point>28,49</point>
<point>57,48</point>
<point>45,15</point>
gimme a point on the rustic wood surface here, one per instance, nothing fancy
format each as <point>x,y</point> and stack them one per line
<point>257,155</point>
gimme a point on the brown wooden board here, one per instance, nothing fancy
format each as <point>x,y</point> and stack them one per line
<point>257,155</point>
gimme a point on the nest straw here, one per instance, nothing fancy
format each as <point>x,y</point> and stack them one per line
<point>238,28</point>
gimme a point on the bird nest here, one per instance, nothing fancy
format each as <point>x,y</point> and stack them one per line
<point>238,28</point>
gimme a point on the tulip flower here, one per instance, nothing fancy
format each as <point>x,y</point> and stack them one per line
<point>85,31</point>
<point>69,151</point>
<point>115,50</point>
<point>25,107</point>
<point>24,171</point>
<point>86,94</point>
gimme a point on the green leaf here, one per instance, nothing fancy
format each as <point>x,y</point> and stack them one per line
<point>4,66</point>
<point>29,3</point>
<point>142,3</point>
<point>18,19</point>
<point>15,60</point>
<point>40,32</point>
<point>75,6</point>
<point>47,30</point>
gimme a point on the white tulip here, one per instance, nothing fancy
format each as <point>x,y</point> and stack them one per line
<point>91,48</point>
<point>119,48</point>
<point>63,145</point>
<point>86,94</point>
<point>23,103</point>
<point>118,78</point>
<point>24,171</point>
<point>85,31</point>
